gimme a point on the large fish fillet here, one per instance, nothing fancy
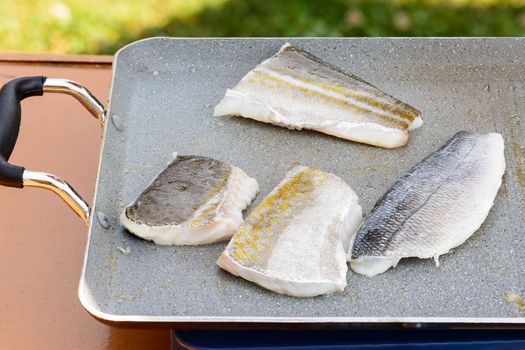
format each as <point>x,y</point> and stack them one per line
<point>296,90</point>
<point>295,241</point>
<point>195,200</point>
<point>435,207</point>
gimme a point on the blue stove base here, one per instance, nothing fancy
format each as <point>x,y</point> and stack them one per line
<point>353,339</point>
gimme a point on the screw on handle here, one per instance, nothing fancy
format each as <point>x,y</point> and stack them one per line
<point>10,113</point>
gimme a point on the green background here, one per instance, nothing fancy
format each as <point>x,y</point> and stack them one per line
<point>103,26</point>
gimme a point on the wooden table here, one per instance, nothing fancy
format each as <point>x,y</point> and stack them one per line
<point>41,240</point>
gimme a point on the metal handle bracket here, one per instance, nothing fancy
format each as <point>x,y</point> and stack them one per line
<point>41,179</point>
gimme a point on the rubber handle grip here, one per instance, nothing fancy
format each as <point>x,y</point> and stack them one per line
<point>10,113</point>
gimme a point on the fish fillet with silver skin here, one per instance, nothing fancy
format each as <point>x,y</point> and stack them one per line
<point>435,207</point>
<point>194,200</point>
<point>296,90</point>
<point>295,241</point>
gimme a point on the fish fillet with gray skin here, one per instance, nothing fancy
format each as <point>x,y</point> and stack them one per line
<point>295,241</point>
<point>296,90</point>
<point>435,207</point>
<point>195,200</point>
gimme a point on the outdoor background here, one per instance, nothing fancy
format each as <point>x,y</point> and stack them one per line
<point>103,26</point>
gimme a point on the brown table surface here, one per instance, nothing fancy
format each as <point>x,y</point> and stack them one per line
<point>41,240</point>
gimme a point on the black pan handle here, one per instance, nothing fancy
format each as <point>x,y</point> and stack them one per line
<point>11,94</point>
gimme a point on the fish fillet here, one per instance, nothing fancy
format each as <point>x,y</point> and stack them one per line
<point>195,200</point>
<point>295,241</point>
<point>435,207</point>
<point>296,90</point>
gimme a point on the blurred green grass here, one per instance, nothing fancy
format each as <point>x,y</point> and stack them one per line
<point>103,26</point>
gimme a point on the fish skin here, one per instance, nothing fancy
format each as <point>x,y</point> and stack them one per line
<point>194,200</point>
<point>297,90</point>
<point>435,207</point>
<point>295,241</point>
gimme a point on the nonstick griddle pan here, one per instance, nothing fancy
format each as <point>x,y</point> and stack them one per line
<point>162,98</point>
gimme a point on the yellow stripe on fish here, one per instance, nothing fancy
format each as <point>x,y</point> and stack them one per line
<point>250,244</point>
<point>207,214</point>
<point>337,100</point>
<point>363,97</point>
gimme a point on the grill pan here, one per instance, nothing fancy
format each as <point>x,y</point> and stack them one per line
<point>161,101</point>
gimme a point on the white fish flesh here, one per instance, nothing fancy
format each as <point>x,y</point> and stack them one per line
<point>296,90</point>
<point>195,200</point>
<point>295,241</point>
<point>435,207</point>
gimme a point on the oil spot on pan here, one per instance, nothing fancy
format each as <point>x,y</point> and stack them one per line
<point>515,300</point>
<point>519,155</point>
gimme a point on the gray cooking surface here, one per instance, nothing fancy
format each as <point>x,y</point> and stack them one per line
<point>162,100</point>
